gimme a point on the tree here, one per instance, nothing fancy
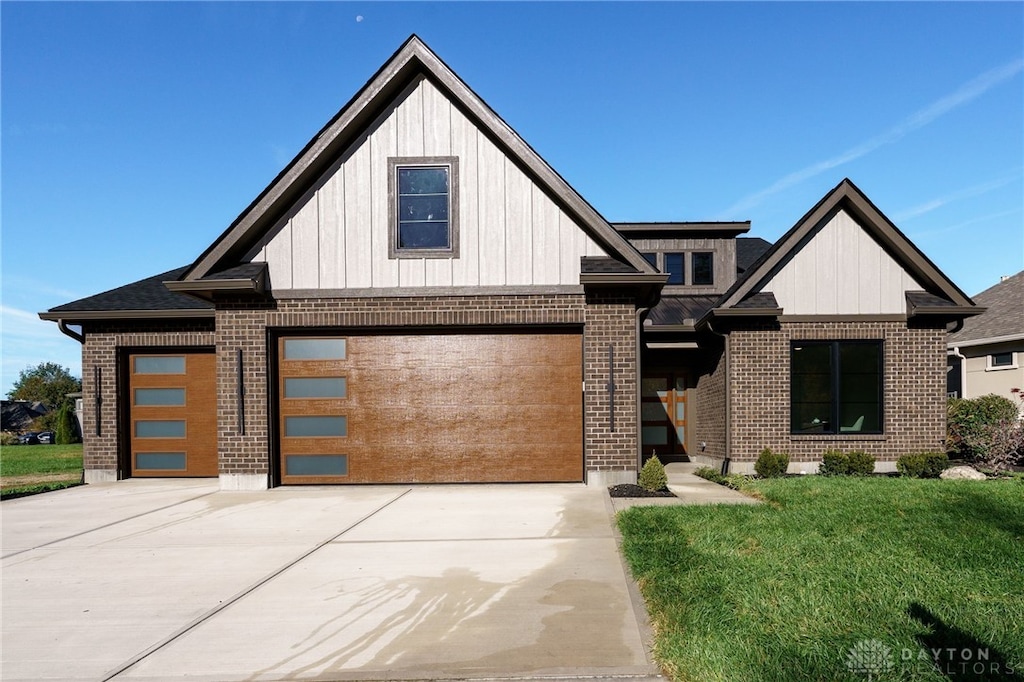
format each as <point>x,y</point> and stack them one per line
<point>48,383</point>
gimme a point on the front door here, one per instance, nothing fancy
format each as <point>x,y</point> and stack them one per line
<point>664,414</point>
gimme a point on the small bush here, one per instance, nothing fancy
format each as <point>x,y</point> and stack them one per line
<point>834,463</point>
<point>860,463</point>
<point>922,464</point>
<point>971,424</point>
<point>8,438</point>
<point>734,481</point>
<point>771,464</point>
<point>652,476</point>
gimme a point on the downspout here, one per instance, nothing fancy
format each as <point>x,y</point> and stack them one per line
<point>728,400</point>
<point>67,331</point>
<point>963,369</point>
<point>640,312</point>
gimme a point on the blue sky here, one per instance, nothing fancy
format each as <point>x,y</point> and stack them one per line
<point>134,133</point>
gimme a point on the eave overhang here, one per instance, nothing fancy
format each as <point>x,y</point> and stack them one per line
<point>207,289</point>
<point>74,317</point>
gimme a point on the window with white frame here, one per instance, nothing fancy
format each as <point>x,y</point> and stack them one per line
<point>1006,360</point>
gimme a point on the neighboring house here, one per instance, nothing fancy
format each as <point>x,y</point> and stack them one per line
<point>987,354</point>
<point>419,297</point>
<point>18,415</point>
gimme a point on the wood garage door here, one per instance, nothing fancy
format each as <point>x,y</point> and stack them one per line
<point>173,414</point>
<point>430,408</point>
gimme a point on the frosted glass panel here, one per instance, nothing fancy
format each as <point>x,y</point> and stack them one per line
<point>680,411</point>
<point>160,396</point>
<point>326,387</point>
<point>160,429</point>
<point>314,349</point>
<point>168,364</point>
<point>315,427</point>
<point>655,435</point>
<point>681,434</point>
<point>316,465</point>
<point>171,461</point>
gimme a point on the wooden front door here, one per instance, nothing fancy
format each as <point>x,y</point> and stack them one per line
<point>418,408</point>
<point>664,413</point>
<point>173,414</point>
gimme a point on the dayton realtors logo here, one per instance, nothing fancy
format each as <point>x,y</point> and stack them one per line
<point>873,658</point>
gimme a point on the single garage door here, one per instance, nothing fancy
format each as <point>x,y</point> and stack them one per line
<point>173,414</point>
<point>421,408</point>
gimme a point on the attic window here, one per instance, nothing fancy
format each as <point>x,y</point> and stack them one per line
<point>423,207</point>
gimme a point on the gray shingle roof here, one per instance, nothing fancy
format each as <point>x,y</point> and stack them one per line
<point>602,265</point>
<point>146,294</point>
<point>1005,314</point>
<point>748,250</point>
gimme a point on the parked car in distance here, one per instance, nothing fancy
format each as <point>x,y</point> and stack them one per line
<point>46,437</point>
<point>30,438</point>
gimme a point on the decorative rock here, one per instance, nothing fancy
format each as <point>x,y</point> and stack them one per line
<point>962,473</point>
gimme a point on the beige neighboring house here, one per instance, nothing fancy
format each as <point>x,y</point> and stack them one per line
<point>987,354</point>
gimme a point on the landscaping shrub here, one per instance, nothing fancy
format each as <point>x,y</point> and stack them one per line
<point>8,438</point>
<point>771,464</point>
<point>860,463</point>
<point>922,464</point>
<point>972,424</point>
<point>834,463</point>
<point>652,476</point>
<point>67,431</point>
<point>734,481</point>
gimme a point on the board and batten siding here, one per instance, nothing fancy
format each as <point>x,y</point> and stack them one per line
<point>842,270</point>
<point>511,232</point>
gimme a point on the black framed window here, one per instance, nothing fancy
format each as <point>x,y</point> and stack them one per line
<point>675,266</point>
<point>424,208</point>
<point>836,387</point>
<point>999,360</point>
<point>651,258</point>
<point>703,268</point>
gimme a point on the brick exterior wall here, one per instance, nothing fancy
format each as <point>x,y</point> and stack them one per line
<point>610,320</point>
<point>709,407</point>
<point>102,343</point>
<point>914,389</point>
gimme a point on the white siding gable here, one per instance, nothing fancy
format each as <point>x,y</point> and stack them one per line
<point>841,270</point>
<point>510,232</point>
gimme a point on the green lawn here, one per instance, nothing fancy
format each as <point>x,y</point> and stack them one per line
<point>783,591</point>
<point>38,468</point>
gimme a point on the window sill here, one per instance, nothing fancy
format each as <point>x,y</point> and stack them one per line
<point>846,436</point>
<point>1001,368</point>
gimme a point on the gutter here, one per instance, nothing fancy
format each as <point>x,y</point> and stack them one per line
<point>963,369</point>
<point>67,331</point>
<point>640,312</point>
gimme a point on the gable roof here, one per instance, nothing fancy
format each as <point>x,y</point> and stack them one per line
<point>946,298</point>
<point>1003,319</point>
<point>413,59</point>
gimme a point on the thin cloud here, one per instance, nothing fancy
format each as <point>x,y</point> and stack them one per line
<point>966,93</point>
<point>968,193</point>
<point>920,234</point>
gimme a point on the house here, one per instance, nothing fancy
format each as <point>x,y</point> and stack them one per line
<point>18,415</point>
<point>419,297</point>
<point>987,354</point>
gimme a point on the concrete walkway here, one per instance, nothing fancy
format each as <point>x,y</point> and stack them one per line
<point>689,490</point>
<point>163,580</point>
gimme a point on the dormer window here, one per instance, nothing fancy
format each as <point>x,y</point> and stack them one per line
<point>675,266</point>
<point>423,198</point>
<point>703,268</point>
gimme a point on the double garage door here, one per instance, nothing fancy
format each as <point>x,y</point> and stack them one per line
<point>429,408</point>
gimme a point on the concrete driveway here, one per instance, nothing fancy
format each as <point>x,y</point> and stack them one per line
<point>171,579</point>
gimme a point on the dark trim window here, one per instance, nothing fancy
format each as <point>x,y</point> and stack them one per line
<point>651,258</point>
<point>423,200</point>
<point>675,266</point>
<point>703,268</point>
<point>836,387</point>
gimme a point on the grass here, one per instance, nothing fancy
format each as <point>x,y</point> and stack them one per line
<point>784,590</point>
<point>30,469</point>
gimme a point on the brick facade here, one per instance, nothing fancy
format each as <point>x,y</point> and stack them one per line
<point>243,326</point>
<point>913,388</point>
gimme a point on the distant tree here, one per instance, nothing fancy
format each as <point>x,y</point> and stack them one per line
<point>66,429</point>
<point>48,383</point>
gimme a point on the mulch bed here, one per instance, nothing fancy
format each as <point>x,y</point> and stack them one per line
<point>633,490</point>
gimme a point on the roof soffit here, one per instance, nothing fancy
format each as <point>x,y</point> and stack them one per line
<point>414,59</point>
